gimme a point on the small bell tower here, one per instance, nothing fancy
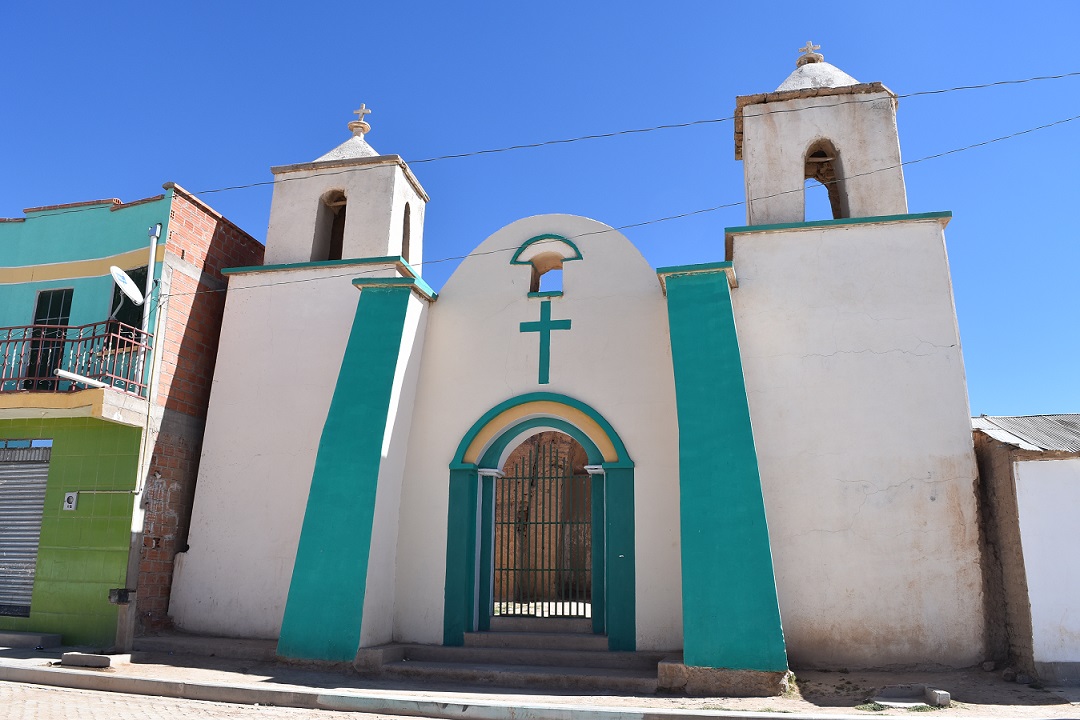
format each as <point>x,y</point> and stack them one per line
<point>825,125</point>
<point>350,203</point>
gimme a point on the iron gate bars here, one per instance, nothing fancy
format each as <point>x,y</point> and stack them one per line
<point>543,537</point>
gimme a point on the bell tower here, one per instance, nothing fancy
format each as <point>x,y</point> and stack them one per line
<point>825,125</point>
<point>351,203</point>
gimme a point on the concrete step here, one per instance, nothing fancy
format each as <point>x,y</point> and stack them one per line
<point>206,646</point>
<point>538,624</point>
<point>13,639</point>
<point>537,640</point>
<point>590,659</point>
<point>596,680</point>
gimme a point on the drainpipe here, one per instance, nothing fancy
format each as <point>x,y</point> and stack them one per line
<point>155,234</point>
<point>127,608</point>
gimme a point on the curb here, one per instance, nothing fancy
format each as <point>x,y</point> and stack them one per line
<point>432,706</point>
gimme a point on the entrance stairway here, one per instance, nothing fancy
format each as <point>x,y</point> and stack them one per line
<point>549,654</point>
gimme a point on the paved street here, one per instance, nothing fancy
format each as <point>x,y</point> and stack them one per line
<point>39,702</point>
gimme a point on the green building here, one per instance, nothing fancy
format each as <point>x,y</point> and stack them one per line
<point>101,406</point>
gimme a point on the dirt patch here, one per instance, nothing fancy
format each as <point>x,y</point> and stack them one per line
<point>975,693</point>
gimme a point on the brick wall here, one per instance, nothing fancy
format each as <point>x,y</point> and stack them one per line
<point>200,242</point>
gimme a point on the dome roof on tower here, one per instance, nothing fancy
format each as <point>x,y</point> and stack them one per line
<point>356,146</point>
<point>813,73</point>
<point>816,75</point>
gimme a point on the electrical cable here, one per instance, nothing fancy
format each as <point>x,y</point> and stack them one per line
<point>617,133</point>
<point>700,211</point>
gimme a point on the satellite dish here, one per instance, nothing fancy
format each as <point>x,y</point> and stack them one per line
<point>126,285</point>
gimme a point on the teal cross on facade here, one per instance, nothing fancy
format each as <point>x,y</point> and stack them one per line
<point>544,326</point>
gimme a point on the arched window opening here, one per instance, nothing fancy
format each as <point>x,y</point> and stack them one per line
<point>816,204</point>
<point>405,232</point>
<point>551,281</point>
<point>330,227</point>
<point>823,167</point>
<point>547,273</point>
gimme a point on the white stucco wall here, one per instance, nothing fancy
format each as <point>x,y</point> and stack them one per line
<point>282,340</point>
<point>378,618</point>
<point>1047,497</point>
<point>857,395</point>
<point>862,127</point>
<point>376,191</point>
<point>615,358</point>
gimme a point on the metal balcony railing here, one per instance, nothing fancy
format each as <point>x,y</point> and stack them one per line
<point>109,352</point>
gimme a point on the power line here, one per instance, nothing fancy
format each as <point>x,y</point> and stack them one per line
<point>670,126</point>
<point>618,133</point>
<point>679,216</point>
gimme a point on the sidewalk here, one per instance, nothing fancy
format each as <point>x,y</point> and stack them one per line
<point>823,695</point>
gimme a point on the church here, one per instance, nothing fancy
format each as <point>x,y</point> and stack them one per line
<point>727,469</point>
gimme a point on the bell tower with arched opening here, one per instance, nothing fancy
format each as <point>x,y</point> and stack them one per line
<point>820,125</point>
<point>351,203</point>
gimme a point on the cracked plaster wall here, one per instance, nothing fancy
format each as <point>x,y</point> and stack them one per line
<point>857,394</point>
<point>376,195</point>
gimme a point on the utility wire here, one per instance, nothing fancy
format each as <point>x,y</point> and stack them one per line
<point>679,216</point>
<point>617,133</point>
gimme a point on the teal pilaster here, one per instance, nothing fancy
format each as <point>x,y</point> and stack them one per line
<point>620,600</point>
<point>324,611</point>
<point>485,569</point>
<point>458,596</point>
<point>599,575</point>
<point>731,617</point>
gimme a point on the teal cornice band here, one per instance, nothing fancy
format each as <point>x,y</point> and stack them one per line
<point>703,268</point>
<point>397,260</point>
<point>877,219</point>
<point>416,284</point>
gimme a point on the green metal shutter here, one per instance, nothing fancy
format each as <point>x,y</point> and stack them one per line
<point>23,473</point>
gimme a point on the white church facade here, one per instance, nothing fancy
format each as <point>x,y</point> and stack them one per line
<point>775,462</point>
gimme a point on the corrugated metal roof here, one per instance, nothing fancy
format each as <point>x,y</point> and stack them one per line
<point>1047,432</point>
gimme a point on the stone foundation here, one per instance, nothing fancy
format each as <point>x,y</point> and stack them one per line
<point>678,678</point>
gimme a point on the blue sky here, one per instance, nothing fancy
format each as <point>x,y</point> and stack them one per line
<point>112,100</point>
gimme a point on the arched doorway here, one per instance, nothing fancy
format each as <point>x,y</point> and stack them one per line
<point>471,551</point>
<point>542,531</point>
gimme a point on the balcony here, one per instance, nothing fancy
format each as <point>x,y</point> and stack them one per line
<point>109,352</point>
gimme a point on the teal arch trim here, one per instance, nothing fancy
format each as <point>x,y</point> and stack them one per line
<point>469,528</point>
<point>493,454</point>
<point>620,449</point>
<point>516,260</point>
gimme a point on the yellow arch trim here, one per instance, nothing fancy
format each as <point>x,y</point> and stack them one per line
<point>537,408</point>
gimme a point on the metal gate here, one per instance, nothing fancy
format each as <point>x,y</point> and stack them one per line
<point>23,473</point>
<point>543,538</point>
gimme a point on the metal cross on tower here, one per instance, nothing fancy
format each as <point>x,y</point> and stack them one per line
<point>360,125</point>
<point>809,56</point>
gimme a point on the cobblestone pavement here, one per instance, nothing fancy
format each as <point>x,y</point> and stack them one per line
<point>38,702</point>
